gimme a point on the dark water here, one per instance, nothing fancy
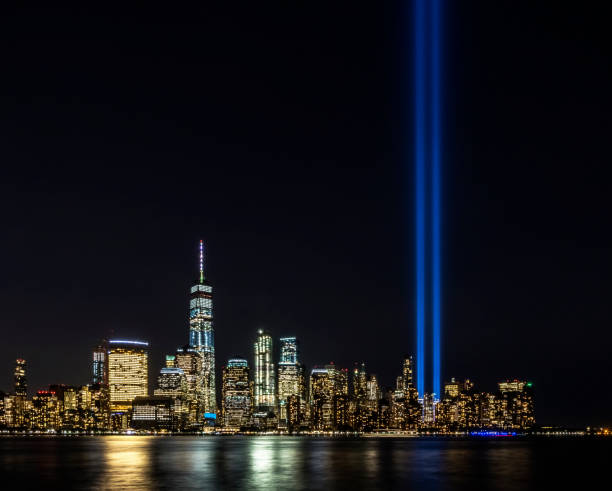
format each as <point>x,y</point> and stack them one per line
<point>134,462</point>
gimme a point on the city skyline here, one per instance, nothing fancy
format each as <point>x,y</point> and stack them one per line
<point>276,374</point>
<point>279,394</point>
<point>284,147</point>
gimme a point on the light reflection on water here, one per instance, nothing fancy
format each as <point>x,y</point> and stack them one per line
<point>269,462</point>
<point>126,462</point>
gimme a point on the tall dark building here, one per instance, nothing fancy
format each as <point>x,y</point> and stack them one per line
<point>100,364</point>
<point>21,382</point>
<point>202,335</point>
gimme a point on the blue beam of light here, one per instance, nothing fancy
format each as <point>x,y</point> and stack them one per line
<point>435,143</point>
<point>420,157</point>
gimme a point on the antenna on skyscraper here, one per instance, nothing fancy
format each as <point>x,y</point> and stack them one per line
<point>201,261</point>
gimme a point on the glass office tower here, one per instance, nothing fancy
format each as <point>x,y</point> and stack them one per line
<point>265,387</point>
<point>202,335</point>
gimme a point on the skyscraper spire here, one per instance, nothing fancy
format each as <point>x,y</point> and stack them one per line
<point>201,261</point>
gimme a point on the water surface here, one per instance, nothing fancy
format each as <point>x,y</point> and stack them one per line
<point>296,463</point>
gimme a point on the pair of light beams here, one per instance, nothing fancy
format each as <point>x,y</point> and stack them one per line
<point>427,141</point>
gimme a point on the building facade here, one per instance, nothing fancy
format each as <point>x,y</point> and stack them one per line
<point>100,364</point>
<point>236,399</point>
<point>290,379</point>
<point>128,372</point>
<point>329,398</point>
<point>190,361</point>
<point>21,382</point>
<point>171,382</point>
<point>264,380</point>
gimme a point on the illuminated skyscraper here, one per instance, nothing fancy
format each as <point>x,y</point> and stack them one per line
<point>407,374</point>
<point>359,411</point>
<point>171,382</point>
<point>45,410</point>
<point>190,361</point>
<point>372,394</point>
<point>265,388</point>
<point>321,399</point>
<point>127,372</point>
<point>517,403</point>
<point>512,386</point>
<point>21,393</point>
<point>289,350</point>
<point>202,335</point>
<point>236,394</point>
<point>290,378</point>
<point>360,378</point>
<point>100,364</point>
<point>452,389</point>
<point>21,382</point>
<point>328,398</point>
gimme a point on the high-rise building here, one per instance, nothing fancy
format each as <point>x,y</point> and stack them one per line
<point>372,393</point>
<point>512,386</point>
<point>429,409</point>
<point>358,397</point>
<point>21,393</point>
<point>236,394</point>
<point>452,389</point>
<point>190,361</point>
<point>289,351</point>
<point>202,335</point>
<point>45,411</point>
<point>100,364</point>
<point>21,382</point>
<point>290,378</point>
<point>154,413</point>
<point>264,387</point>
<point>295,413</point>
<point>407,373</point>
<point>517,404</point>
<point>127,372</point>
<point>328,398</point>
<point>171,382</point>
<point>321,399</point>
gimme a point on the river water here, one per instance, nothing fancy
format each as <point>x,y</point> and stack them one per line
<point>296,463</point>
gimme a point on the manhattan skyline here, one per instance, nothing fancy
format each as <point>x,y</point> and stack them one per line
<point>283,149</point>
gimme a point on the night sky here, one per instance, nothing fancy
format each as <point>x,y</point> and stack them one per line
<point>280,134</point>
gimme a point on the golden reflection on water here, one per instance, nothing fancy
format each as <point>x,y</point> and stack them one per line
<point>126,463</point>
<point>263,455</point>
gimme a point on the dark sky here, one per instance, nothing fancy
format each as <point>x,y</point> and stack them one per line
<point>277,134</point>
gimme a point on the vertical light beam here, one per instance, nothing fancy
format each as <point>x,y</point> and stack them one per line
<point>420,156</point>
<point>435,142</point>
